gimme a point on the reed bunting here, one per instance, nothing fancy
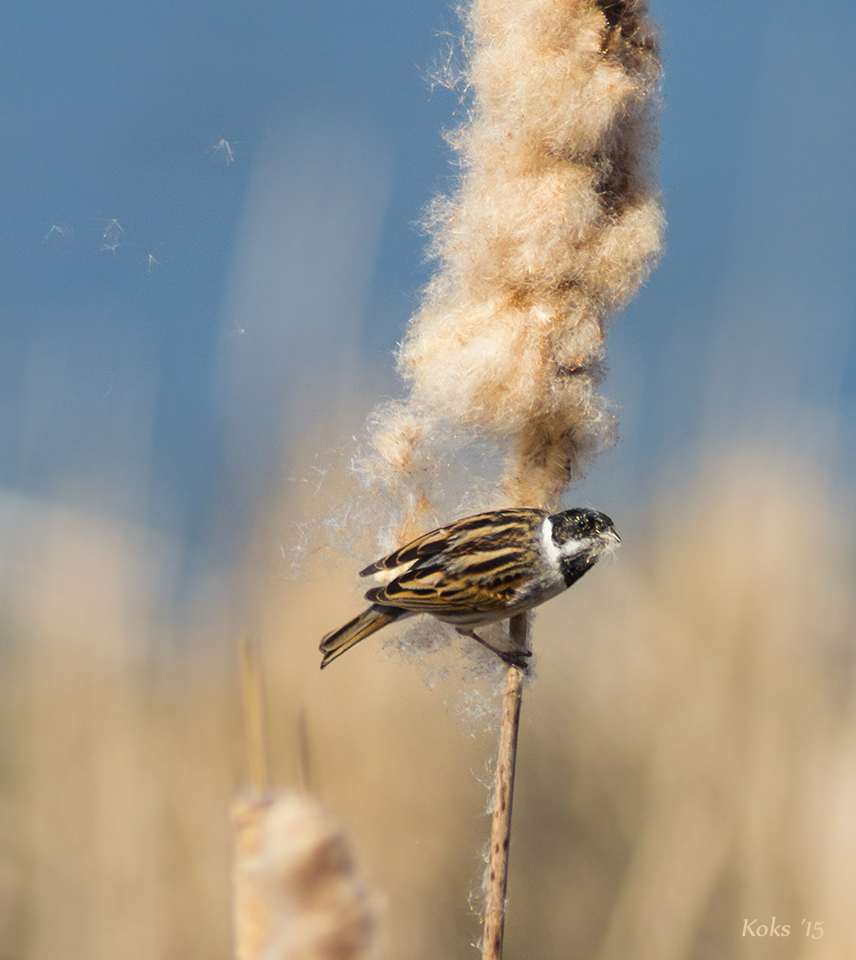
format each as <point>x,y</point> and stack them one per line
<point>480,570</point>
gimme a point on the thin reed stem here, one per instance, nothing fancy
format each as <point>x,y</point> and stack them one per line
<point>255,719</point>
<point>304,771</point>
<point>500,833</point>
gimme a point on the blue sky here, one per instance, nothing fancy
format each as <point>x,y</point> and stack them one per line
<point>169,318</point>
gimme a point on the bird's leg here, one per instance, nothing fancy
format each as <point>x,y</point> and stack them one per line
<point>515,657</point>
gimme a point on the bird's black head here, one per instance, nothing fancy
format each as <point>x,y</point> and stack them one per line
<point>582,524</point>
<point>581,535</point>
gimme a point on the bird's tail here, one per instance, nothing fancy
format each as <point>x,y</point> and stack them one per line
<point>337,642</point>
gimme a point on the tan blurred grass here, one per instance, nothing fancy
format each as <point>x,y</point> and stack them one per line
<point>686,751</point>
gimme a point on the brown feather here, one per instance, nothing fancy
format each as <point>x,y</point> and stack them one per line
<point>362,626</point>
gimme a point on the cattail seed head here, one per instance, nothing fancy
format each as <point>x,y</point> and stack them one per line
<point>296,893</point>
<point>553,226</point>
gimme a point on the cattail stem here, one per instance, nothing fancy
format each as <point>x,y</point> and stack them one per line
<point>500,833</point>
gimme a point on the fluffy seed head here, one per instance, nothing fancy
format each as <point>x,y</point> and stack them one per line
<point>554,224</point>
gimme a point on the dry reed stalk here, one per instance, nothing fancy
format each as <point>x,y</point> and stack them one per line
<point>500,831</point>
<point>255,715</point>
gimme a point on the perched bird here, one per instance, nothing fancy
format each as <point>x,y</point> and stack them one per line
<point>480,570</point>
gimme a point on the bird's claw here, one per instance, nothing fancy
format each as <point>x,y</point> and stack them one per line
<point>516,658</point>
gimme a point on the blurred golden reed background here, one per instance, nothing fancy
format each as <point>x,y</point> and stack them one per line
<point>686,756</point>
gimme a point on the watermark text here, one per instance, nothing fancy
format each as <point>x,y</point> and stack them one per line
<point>755,928</point>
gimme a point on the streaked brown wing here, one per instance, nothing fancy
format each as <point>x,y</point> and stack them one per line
<point>428,545</point>
<point>461,596</point>
<point>468,532</point>
<point>481,573</point>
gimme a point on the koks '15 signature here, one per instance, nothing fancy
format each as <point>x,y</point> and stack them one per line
<point>754,929</point>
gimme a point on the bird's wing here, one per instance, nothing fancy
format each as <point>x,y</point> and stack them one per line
<point>468,532</point>
<point>427,594</point>
<point>481,569</point>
